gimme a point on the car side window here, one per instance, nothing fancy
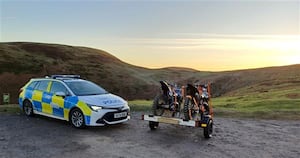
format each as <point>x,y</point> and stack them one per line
<point>58,87</point>
<point>42,86</point>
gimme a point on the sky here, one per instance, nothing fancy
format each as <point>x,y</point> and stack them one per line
<point>207,35</point>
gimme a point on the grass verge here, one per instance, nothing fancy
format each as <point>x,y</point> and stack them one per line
<point>280,103</point>
<point>279,108</point>
<point>140,105</point>
<point>243,107</point>
<point>10,109</point>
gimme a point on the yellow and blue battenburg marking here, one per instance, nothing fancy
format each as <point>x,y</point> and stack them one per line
<point>53,105</point>
<point>70,102</point>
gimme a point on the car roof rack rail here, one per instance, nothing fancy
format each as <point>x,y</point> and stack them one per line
<point>65,76</point>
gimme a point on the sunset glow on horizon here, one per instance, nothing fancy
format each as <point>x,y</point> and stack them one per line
<point>202,35</point>
<point>234,52</point>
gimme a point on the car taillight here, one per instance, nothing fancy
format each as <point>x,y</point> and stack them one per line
<point>21,90</point>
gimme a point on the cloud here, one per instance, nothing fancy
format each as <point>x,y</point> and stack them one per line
<point>215,42</point>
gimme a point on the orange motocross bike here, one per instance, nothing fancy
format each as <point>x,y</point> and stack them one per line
<point>169,99</point>
<point>197,106</point>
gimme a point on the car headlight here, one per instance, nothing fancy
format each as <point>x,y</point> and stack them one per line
<point>95,108</point>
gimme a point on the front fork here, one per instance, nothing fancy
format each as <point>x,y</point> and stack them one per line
<point>196,109</point>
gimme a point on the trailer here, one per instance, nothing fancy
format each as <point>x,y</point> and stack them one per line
<point>206,123</point>
<point>193,101</point>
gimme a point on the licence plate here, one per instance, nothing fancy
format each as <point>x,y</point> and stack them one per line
<point>122,114</point>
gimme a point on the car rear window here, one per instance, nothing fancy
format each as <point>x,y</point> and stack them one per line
<point>42,85</point>
<point>32,85</point>
<point>81,88</point>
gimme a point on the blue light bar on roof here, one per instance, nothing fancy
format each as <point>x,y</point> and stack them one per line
<point>65,76</point>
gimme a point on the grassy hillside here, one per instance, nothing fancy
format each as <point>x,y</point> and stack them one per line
<point>21,61</point>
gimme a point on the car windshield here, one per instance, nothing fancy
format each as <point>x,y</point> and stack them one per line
<point>81,88</point>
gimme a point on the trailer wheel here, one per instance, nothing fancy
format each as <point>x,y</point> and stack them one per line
<point>208,130</point>
<point>153,125</point>
<point>157,109</point>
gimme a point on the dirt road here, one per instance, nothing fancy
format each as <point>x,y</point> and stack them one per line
<point>43,137</point>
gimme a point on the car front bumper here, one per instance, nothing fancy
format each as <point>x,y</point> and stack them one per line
<point>107,117</point>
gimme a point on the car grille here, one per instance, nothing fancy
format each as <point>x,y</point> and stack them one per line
<point>110,117</point>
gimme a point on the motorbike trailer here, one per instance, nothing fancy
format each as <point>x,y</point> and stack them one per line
<point>206,123</point>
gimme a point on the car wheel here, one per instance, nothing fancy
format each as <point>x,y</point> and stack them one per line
<point>77,118</point>
<point>27,108</point>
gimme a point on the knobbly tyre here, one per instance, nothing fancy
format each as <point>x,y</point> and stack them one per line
<point>197,109</point>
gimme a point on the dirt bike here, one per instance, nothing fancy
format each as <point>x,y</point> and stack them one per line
<point>196,106</point>
<point>169,99</point>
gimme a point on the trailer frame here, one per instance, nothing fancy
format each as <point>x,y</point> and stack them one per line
<point>206,123</point>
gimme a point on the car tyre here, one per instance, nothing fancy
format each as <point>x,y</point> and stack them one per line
<point>28,108</point>
<point>77,118</point>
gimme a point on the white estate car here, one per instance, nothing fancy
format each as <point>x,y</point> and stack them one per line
<point>67,97</point>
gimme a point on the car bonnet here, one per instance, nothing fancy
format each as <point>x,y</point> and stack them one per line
<point>103,100</point>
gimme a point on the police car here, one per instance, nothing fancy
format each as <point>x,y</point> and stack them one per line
<point>70,98</point>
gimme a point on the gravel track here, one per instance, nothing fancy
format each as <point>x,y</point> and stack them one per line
<point>39,136</point>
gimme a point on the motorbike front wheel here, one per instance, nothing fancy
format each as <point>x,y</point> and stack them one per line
<point>186,105</point>
<point>189,112</point>
<point>156,107</point>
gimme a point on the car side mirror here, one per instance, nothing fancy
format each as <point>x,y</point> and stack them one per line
<point>61,94</point>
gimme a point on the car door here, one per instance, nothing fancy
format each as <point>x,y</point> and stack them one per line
<point>57,102</point>
<point>38,98</point>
